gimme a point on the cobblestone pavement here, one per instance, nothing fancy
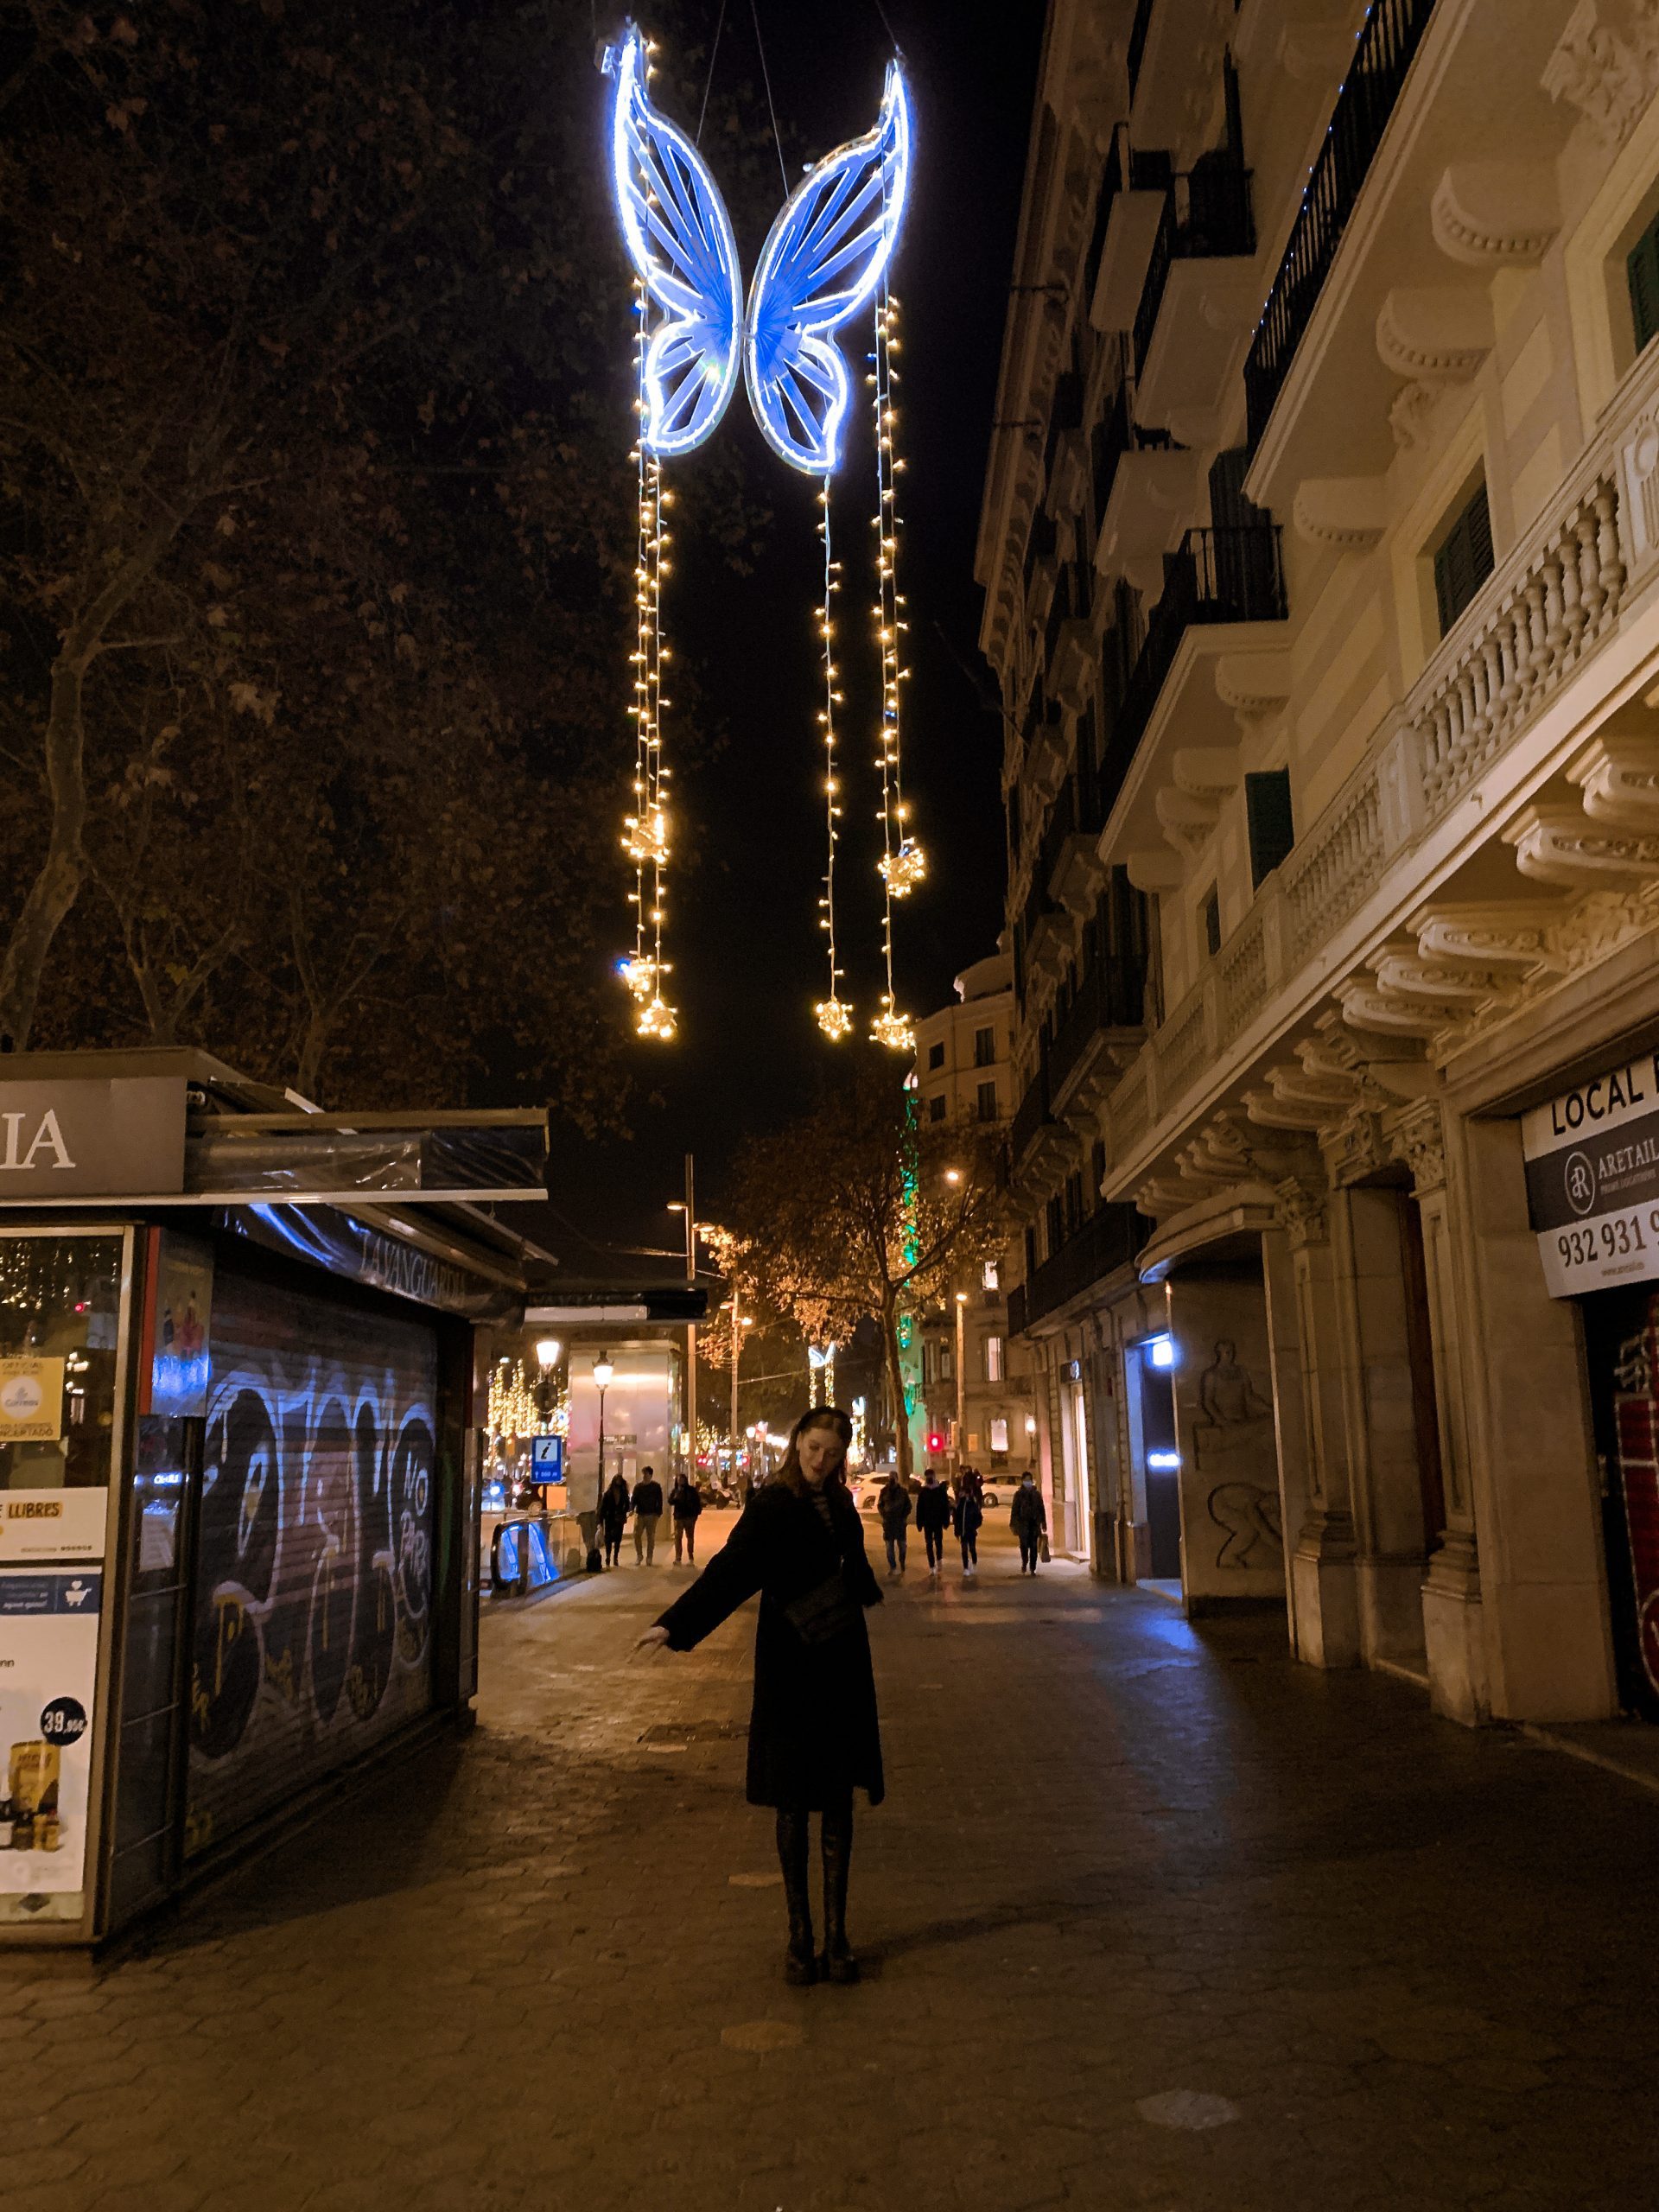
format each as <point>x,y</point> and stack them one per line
<point>1153,1919</point>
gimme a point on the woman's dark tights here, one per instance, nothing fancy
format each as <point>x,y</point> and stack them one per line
<point>836,1842</point>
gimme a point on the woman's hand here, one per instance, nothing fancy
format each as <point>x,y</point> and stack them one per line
<point>654,1639</point>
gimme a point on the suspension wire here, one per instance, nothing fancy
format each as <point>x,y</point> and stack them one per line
<point>892,36</point>
<point>903,864</point>
<point>835,1016</point>
<point>645,838</point>
<point>708,82</point>
<point>766,78</point>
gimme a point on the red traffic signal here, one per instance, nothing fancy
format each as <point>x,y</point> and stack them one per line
<point>935,1441</point>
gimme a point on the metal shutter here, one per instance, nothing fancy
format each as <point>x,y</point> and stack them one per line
<point>312,1635</point>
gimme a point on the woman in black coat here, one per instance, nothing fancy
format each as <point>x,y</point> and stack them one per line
<point>613,1509</point>
<point>814,1734</point>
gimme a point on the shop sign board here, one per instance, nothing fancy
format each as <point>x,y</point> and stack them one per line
<point>84,1137</point>
<point>57,1524</point>
<point>31,1400</point>
<point>48,1682</point>
<point>1592,1160</point>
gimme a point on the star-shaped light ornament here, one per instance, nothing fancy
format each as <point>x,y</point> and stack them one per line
<point>835,1019</point>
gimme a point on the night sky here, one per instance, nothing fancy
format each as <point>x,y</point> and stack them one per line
<point>748,955</point>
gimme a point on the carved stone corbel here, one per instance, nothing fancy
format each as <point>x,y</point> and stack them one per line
<point>1417,1137</point>
<point>1619,778</point>
<point>1345,514</point>
<point>1492,214</point>
<point>1606,72</point>
<point>1560,845</point>
<point>1301,1201</point>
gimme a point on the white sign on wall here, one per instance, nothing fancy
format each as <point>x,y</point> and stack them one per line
<point>1592,1179</point>
<point>46,1524</point>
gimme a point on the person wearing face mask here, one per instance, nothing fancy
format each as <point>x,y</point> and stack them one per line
<point>1029,1518</point>
<point>814,1730</point>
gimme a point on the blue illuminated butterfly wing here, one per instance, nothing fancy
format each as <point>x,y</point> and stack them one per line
<point>679,237</point>
<point>823,260</point>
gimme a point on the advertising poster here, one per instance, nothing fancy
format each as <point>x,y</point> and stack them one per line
<point>31,1400</point>
<point>1592,1180</point>
<point>49,1680</point>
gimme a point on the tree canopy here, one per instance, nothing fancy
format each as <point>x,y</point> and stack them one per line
<point>854,1210</point>
<point>316,539</point>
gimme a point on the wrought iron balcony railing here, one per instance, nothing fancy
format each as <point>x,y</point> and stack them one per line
<point>1207,215</point>
<point>1392,31</point>
<point>1218,576</point>
<point>1110,1238</point>
<point>1029,1115</point>
<point>1110,996</point>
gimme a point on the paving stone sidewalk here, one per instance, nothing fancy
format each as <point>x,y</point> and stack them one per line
<point>1155,1919</point>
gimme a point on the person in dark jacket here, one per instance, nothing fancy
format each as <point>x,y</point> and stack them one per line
<point>648,1512</point>
<point>893,1505</point>
<point>1028,1517</point>
<point>814,1732</point>
<point>967,1516</point>
<point>933,1518</point>
<point>613,1509</point>
<point>685,1503</point>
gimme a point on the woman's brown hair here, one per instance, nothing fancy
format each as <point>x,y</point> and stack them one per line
<point>815,1417</point>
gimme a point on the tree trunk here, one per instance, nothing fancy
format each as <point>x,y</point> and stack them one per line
<point>57,885</point>
<point>896,1386</point>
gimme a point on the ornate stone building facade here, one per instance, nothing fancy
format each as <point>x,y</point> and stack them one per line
<point>1320,552</point>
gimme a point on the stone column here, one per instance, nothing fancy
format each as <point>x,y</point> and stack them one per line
<point>1454,1632</point>
<point>1387,1483</point>
<point>1527,1480</point>
<point>1289,1410</point>
<point>1322,1560</point>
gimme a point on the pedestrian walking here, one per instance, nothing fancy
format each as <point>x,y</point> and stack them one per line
<point>613,1510</point>
<point>968,1514</point>
<point>1028,1517</point>
<point>685,1503</point>
<point>648,1512</point>
<point>893,1505</point>
<point>933,1517</point>
<point>814,1732</point>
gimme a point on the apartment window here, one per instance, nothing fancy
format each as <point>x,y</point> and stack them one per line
<point>1463,560</point>
<point>993,1276</point>
<point>985,1100</point>
<point>1096,1169</point>
<point>936,1055</point>
<point>1210,914</point>
<point>985,1048</point>
<point>1642,275</point>
<point>1267,812</point>
<point>945,1362</point>
<point>998,1434</point>
<point>1054,1224</point>
<point>936,1107</point>
<point>1031,1253</point>
<point>993,1359</point>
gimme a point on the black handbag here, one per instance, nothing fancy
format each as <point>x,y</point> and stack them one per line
<point>825,1612</point>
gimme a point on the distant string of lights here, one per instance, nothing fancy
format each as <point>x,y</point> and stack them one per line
<point>834,1014</point>
<point>903,864</point>
<point>645,838</point>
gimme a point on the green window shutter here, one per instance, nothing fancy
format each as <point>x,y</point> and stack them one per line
<point>1642,275</point>
<point>1464,559</point>
<point>1266,809</point>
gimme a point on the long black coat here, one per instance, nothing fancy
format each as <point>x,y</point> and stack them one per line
<point>814,1734</point>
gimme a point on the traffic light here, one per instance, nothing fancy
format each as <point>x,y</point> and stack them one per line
<point>935,1441</point>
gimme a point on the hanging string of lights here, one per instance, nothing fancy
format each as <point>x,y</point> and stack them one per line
<point>835,1015</point>
<point>645,838</point>
<point>902,863</point>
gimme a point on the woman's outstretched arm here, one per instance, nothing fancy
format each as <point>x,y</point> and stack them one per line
<point>735,1574</point>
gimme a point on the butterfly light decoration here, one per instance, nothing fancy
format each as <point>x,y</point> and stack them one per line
<point>822,261</point>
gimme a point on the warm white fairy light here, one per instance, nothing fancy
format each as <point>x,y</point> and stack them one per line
<point>645,835</point>
<point>834,1014</point>
<point>902,864</point>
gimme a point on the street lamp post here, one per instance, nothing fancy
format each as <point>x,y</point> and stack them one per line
<point>962,1311</point>
<point>603,1371</point>
<point>688,1207</point>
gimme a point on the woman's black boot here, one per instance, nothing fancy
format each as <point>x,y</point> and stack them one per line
<point>838,1962</point>
<point>800,1968</point>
